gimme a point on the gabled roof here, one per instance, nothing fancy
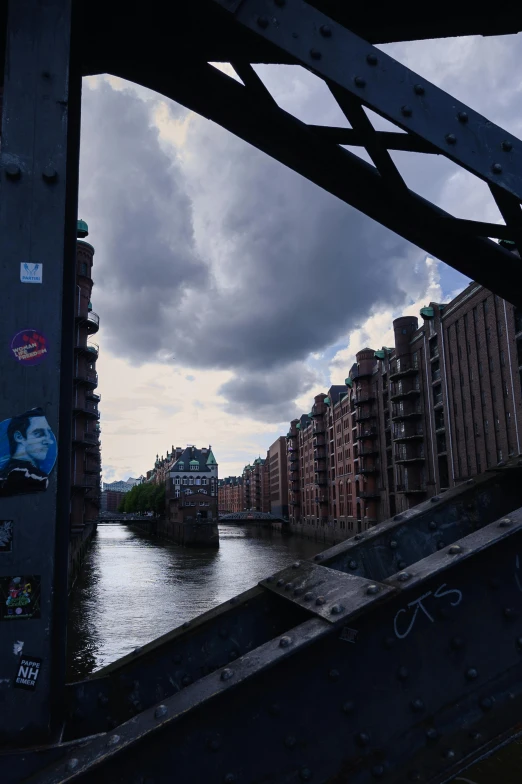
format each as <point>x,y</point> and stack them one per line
<point>211,460</point>
<point>193,456</point>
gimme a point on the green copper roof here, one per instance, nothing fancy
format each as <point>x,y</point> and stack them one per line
<point>379,354</point>
<point>211,460</point>
<point>194,462</point>
<point>427,313</point>
<point>82,230</point>
<point>298,426</point>
<point>326,401</point>
<point>348,381</point>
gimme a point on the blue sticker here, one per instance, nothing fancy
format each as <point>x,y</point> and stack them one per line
<point>28,453</point>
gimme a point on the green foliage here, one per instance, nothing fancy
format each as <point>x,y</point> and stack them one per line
<point>121,507</point>
<point>145,498</point>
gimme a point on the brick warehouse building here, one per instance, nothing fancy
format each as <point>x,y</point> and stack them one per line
<point>278,478</point>
<point>411,421</point>
<point>86,447</point>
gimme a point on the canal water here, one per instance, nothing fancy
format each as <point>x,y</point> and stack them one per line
<point>134,588</point>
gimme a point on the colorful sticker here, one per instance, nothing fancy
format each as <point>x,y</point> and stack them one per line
<point>19,598</point>
<point>6,536</point>
<point>31,273</point>
<point>28,672</point>
<point>29,347</point>
<point>27,453</point>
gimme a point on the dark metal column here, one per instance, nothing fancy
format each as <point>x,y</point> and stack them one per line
<point>38,198</point>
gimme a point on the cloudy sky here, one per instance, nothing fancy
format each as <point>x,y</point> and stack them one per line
<point>230,289</point>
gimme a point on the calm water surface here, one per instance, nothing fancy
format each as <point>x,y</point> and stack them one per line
<point>134,588</point>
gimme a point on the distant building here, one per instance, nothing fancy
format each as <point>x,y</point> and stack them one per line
<point>86,447</point>
<point>230,494</point>
<point>411,421</point>
<point>119,487</point>
<point>277,476</point>
<point>192,485</point>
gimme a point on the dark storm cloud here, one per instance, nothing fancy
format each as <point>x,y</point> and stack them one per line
<point>270,394</point>
<point>222,257</point>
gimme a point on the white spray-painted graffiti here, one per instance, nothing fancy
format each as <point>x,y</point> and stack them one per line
<point>418,604</point>
<point>18,647</point>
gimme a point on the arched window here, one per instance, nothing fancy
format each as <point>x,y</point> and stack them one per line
<point>204,480</point>
<point>184,480</point>
<point>198,480</point>
<point>191,480</point>
<point>177,480</point>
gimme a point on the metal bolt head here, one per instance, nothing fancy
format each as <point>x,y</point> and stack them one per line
<point>496,168</point>
<point>229,778</point>
<point>371,59</point>
<point>486,703</point>
<point>298,591</point>
<point>434,499</point>
<point>449,754</point>
<point>348,706</point>
<point>336,609</point>
<point>318,557</point>
<point>262,22</point>
<point>296,565</point>
<point>462,117</point>
<point>308,596</point>
<point>505,523</point>
<point>12,171</point>
<point>352,565</point>
<point>398,517</point>
<point>417,706</point>
<point>326,31</point>
<point>320,601</point>
<point>284,642</point>
<point>402,673</point>
<point>113,740</point>
<point>432,733</point>
<point>280,582</point>
<point>506,146</point>
<point>359,81</point>
<point>418,89</point>
<point>519,642</point>
<point>49,174</point>
<point>402,577</point>
<point>372,590</point>
<point>451,138</point>
<point>509,613</point>
<point>185,626</point>
<point>226,674</point>
<point>288,586</point>
<point>334,675</point>
<point>406,111</point>
<point>270,579</point>
<point>432,525</point>
<point>471,674</point>
<point>358,537</point>
<point>377,771</point>
<point>455,549</point>
<point>73,764</point>
<point>160,711</point>
<point>315,54</point>
<point>305,774</point>
<point>362,739</point>
<point>393,544</point>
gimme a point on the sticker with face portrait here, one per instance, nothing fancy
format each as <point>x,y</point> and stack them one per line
<point>27,453</point>
<point>19,597</point>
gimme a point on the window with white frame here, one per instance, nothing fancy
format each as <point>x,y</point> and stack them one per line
<point>198,480</point>
<point>204,481</point>
<point>184,480</point>
<point>177,480</point>
<point>191,480</point>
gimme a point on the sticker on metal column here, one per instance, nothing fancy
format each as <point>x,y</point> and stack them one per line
<point>6,536</point>
<point>27,673</point>
<point>27,453</point>
<point>29,347</point>
<point>19,597</point>
<point>31,273</point>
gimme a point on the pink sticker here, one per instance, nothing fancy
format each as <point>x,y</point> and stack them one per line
<point>29,347</point>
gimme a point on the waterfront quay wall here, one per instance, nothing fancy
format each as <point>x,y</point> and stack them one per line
<point>188,534</point>
<point>326,534</point>
<point>78,546</point>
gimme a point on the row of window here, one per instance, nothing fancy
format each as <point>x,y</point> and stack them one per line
<point>191,481</point>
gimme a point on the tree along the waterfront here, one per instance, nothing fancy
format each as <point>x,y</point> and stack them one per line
<point>144,498</point>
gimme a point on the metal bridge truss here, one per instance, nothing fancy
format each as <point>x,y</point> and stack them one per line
<point>395,655</point>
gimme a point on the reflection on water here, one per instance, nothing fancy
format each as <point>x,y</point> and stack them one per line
<point>134,588</point>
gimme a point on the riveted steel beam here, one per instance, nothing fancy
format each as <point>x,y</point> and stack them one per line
<point>222,99</point>
<point>318,698</point>
<point>387,87</point>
